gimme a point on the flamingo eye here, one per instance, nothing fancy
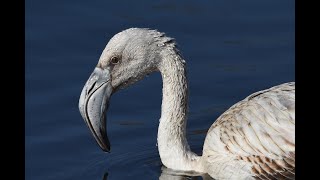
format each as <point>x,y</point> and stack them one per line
<point>114,60</point>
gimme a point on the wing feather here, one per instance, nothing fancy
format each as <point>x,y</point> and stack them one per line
<point>256,136</point>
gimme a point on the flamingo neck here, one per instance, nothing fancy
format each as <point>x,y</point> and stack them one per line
<point>173,147</point>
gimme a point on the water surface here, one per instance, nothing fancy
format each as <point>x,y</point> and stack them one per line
<point>232,49</point>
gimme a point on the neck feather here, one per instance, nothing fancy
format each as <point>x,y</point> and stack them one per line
<point>173,147</point>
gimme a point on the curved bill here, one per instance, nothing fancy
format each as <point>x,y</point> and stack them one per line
<point>93,104</point>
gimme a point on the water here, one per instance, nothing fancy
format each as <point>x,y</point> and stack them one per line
<point>232,49</point>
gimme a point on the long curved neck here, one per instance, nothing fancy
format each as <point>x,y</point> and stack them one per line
<point>173,147</point>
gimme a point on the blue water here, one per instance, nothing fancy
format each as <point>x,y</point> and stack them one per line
<point>232,48</point>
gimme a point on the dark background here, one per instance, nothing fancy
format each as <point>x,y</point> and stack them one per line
<point>232,49</point>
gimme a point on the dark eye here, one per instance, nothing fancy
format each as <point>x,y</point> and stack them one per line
<point>114,60</point>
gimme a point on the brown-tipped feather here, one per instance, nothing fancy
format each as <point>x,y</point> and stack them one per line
<point>255,137</point>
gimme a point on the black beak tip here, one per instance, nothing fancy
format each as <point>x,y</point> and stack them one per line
<point>107,150</point>
<point>105,147</point>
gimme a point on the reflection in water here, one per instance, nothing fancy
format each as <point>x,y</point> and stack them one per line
<point>169,174</point>
<point>105,176</point>
<point>142,158</point>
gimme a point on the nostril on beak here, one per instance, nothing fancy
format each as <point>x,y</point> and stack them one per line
<point>91,87</point>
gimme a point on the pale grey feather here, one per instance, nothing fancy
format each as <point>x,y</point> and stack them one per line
<point>258,133</point>
<point>255,138</point>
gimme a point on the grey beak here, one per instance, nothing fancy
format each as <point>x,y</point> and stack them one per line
<point>93,104</point>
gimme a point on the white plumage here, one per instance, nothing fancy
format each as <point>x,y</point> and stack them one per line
<point>255,138</point>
